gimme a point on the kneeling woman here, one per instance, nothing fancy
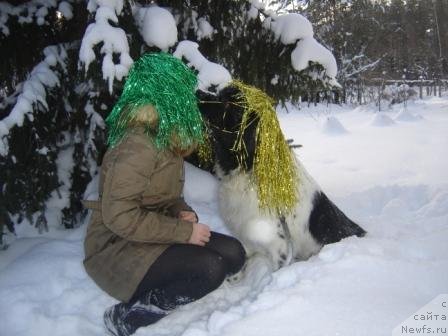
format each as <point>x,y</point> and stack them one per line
<point>144,245</point>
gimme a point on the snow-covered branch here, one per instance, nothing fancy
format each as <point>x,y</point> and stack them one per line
<point>363,68</point>
<point>33,11</point>
<point>114,41</point>
<point>210,74</point>
<point>42,77</point>
<point>357,64</point>
<point>293,28</point>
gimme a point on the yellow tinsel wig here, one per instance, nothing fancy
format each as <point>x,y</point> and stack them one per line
<point>274,168</point>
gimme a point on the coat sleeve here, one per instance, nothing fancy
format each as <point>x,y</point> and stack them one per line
<point>121,207</point>
<point>177,206</point>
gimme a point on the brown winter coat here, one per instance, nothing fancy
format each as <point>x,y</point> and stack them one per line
<point>135,219</point>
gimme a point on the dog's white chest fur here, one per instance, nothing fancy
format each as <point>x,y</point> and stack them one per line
<point>283,240</point>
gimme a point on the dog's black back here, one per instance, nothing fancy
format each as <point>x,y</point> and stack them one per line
<point>328,224</point>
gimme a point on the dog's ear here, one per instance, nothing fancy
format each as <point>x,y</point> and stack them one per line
<point>233,111</point>
<point>229,94</point>
<point>221,110</point>
<point>210,107</point>
<point>233,117</point>
<point>224,113</point>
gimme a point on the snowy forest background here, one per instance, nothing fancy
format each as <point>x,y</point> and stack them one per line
<point>64,62</point>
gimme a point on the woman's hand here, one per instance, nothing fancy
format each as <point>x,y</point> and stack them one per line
<point>188,216</point>
<point>201,232</point>
<point>200,235</point>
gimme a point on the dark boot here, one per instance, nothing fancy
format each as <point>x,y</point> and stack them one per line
<point>123,320</point>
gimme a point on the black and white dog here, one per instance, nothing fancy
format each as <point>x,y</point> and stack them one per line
<point>315,220</point>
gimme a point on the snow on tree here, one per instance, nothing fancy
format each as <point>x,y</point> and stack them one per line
<point>34,11</point>
<point>209,74</point>
<point>33,92</point>
<point>157,26</point>
<point>293,28</point>
<point>113,39</point>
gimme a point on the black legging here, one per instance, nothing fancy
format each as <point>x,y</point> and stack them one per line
<point>184,273</point>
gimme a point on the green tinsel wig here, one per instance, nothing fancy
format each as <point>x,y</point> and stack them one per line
<point>167,84</point>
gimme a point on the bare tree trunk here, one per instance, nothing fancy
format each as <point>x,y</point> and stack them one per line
<point>436,18</point>
<point>420,87</point>
<point>440,14</point>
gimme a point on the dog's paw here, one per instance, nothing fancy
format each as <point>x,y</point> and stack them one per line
<point>237,277</point>
<point>281,247</point>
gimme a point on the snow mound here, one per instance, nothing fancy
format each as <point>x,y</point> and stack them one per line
<point>157,27</point>
<point>394,207</point>
<point>436,206</point>
<point>210,74</point>
<point>382,120</point>
<point>333,126</point>
<point>379,201</point>
<point>405,115</point>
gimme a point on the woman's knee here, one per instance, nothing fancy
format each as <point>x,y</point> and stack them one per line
<point>231,249</point>
<point>214,268</point>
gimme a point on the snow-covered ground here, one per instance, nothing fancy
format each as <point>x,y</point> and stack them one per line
<point>388,172</point>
